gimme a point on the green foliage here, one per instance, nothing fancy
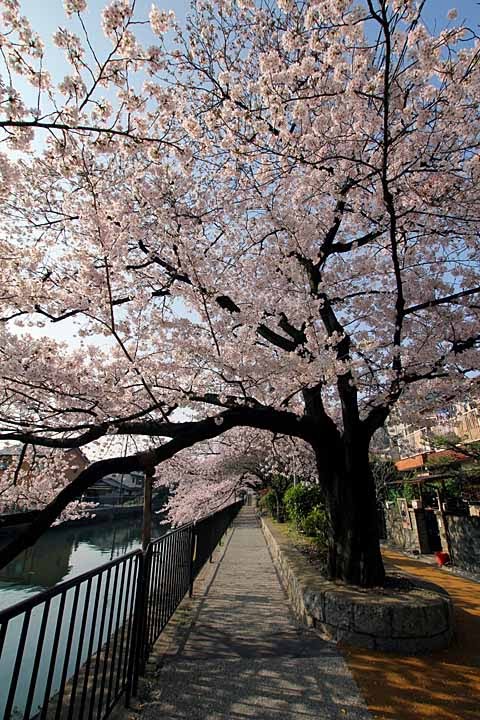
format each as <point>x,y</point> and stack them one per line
<point>464,471</point>
<point>267,502</point>
<point>451,487</point>
<point>300,500</point>
<point>409,491</point>
<point>272,503</point>
<point>470,472</point>
<point>302,504</point>
<point>315,524</point>
<point>388,481</point>
<point>279,483</point>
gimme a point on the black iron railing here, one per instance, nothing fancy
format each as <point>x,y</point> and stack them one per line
<point>72,651</point>
<point>207,534</point>
<point>167,580</point>
<point>71,645</point>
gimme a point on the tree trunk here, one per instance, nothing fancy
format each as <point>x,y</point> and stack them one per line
<point>354,547</point>
<point>277,500</point>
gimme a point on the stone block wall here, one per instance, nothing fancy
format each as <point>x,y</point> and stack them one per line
<point>464,533</point>
<point>442,531</point>
<point>414,539</point>
<point>465,541</point>
<point>416,621</point>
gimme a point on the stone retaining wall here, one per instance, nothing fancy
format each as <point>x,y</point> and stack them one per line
<point>416,621</point>
<point>414,539</point>
<point>465,541</point>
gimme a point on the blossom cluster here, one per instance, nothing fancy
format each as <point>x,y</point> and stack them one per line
<point>263,215</point>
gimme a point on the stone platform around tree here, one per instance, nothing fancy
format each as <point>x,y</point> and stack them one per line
<point>415,620</point>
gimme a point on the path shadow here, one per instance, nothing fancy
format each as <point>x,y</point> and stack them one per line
<point>284,688</point>
<point>243,656</point>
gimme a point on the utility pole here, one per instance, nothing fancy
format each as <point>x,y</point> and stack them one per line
<point>147,508</point>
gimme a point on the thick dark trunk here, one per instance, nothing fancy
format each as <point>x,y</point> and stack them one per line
<point>354,545</point>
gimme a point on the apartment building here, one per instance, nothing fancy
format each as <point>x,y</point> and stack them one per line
<point>409,445</point>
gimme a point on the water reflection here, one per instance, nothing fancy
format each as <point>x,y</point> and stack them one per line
<point>63,553</point>
<point>60,554</point>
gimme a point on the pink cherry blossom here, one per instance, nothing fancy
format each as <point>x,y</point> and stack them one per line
<point>266,224</point>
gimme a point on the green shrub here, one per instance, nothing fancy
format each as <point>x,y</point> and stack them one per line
<point>264,503</point>
<point>272,503</point>
<point>315,524</point>
<point>300,500</point>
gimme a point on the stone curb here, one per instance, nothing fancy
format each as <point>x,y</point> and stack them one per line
<point>411,622</point>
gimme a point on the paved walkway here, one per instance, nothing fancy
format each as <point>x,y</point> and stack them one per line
<point>245,657</point>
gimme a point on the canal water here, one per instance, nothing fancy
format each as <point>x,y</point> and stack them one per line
<point>62,553</point>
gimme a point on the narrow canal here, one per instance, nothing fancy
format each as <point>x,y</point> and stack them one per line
<point>62,553</point>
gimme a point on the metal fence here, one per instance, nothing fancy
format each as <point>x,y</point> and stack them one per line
<point>171,565</point>
<point>207,534</point>
<point>71,645</point>
<point>72,651</point>
<point>167,580</point>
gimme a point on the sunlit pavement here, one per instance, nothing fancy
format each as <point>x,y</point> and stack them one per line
<point>245,657</point>
<point>444,685</point>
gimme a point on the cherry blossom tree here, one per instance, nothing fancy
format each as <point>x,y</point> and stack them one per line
<point>205,478</point>
<point>271,219</point>
<point>33,479</point>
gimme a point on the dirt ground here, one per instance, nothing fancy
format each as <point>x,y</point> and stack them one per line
<point>444,685</point>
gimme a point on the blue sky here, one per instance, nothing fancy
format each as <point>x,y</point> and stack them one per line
<point>46,15</point>
<point>436,11</point>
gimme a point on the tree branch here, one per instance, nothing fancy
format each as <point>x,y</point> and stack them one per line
<point>441,301</point>
<point>183,435</point>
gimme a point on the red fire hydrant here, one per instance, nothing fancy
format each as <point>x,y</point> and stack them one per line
<point>443,558</point>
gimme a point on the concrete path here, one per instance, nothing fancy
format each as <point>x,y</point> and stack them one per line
<point>245,657</point>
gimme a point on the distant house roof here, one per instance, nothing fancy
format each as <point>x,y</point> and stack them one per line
<point>80,461</point>
<point>10,450</point>
<point>116,483</point>
<point>417,461</point>
<point>109,482</point>
<point>127,480</point>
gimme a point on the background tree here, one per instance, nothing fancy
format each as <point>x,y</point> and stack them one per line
<point>276,228</point>
<point>385,474</point>
<point>205,478</point>
<point>460,466</point>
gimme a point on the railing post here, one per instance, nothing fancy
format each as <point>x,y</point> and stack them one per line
<point>135,646</point>
<point>193,556</point>
<point>138,652</point>
<point>147,509</point>
<point>144,624</point>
